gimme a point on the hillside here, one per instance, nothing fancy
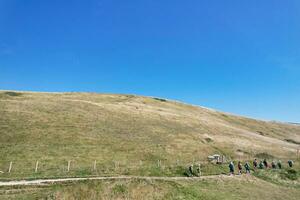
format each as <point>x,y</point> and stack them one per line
<point>227,188</point>
<point>123,130</point>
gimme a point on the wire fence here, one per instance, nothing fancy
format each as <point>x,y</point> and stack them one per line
<point>67,167</point>
<point>70,168</point>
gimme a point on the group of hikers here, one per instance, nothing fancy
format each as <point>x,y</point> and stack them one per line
<point>263,164</point>
<point>195,170</point>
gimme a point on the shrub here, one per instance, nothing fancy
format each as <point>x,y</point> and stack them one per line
<point>208,140</point>
<point>290,174</point>
<point>119,189</point>
<point>13,94</point>
<point>159,99</point>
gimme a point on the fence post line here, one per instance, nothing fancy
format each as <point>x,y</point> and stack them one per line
<point>69,163</point>
<point>36,166</point>
<point>10,166</point>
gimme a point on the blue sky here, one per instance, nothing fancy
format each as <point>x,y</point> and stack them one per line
<point>237,56</point>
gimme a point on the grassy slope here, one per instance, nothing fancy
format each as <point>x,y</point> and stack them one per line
<point>223,188</point>
<point>56,127</point>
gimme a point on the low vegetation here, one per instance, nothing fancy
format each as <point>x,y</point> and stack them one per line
<point>239,187</point>
<point>292,141</point>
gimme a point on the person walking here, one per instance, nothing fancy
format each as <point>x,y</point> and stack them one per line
<point>247,168</point>
<point>266,163</point>
<point>198,170</point>
<point>231,168</point>
<point>273,164</point>
<point>255,164</point>
<point>240,167</point>
<point>191,170</point>
<point>279,164</point>
<point>261,165</point>
<point>291,163</point>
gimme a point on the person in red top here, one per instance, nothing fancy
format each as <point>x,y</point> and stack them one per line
<point>255,164</point>
<point>240,167</point>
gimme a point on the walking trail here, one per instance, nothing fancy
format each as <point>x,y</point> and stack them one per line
<point>60,180</point>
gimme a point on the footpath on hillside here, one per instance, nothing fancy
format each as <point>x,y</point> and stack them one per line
<point>60,180</point>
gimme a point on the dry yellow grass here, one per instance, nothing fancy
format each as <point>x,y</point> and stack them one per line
<point>56,127</point>
<point>245,187</point>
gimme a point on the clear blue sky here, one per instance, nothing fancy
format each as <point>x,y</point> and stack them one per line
<point>237,56</point>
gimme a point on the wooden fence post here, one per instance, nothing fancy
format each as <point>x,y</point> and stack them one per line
<point>10,167</point>
<point>69,163</point>
<point>36,166</point>
<point>199,167</point>
<point>95,165</point>
<point>116,165</point>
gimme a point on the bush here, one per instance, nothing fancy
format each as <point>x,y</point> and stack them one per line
<point>208,140</point>
<point>13,94</point>
<point>159,99</point>
<point>290,174</point>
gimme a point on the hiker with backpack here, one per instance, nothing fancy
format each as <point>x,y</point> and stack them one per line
<point>198,170</point>
<point>261,165</point>
<point>266,163</point>
<point>191,170</point>
<point>247,168</point>
<point>255,164</point>
<point>279,164</point>
<point>231,168</point>
<point>240,167</point>
<point>273,164</point>
<point>291,163</point>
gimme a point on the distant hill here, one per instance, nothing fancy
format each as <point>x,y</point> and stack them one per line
<point>298,124</point>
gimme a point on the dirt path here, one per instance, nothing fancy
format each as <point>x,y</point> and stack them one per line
<point>59,180</point>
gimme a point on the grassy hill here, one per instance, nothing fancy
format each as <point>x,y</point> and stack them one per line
<point>135,135</point>
<point>126,134</point>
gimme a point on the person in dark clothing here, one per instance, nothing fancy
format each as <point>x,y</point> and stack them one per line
<point>273,164</point>
<point>191,170</point>
<point>247,168</point>
<point>198,170</point>
<point>231,168</point>
<point>290,162</point>
<point>279,164</point>
<point>266,163</point>
<point>261,165</point>
<point>255,163</point>
<point>240,167</point>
